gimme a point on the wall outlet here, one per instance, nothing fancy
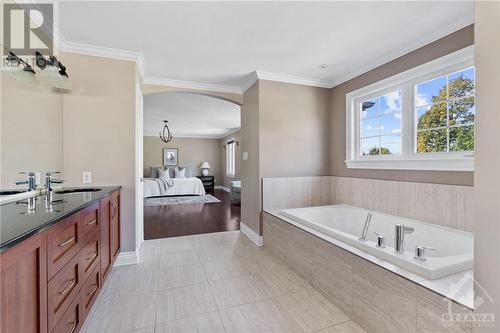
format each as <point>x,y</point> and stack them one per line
<point>245,155</point>
<point>86,177</point>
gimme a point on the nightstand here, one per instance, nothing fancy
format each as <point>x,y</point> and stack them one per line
<point>208,182</point>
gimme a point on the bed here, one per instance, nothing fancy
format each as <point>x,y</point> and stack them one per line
<point>181,186</point>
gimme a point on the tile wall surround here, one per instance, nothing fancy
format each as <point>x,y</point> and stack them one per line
<point>445,205</point>
<point>373,297</point>
<point>294,192</point>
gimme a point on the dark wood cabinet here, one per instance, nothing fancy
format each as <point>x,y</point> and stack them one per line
<point>62,289</point>
<point>50,281</point>
<point>64,240</point>
<point>208,182</point>
<point>115,225</point>
<point>105,210</point>
<point>23,276</point>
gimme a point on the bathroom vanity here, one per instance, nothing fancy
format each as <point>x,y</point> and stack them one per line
<point>54,258</point>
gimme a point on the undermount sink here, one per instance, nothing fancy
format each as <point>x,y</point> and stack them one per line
<point>77,190</point>
<point>11,192</point>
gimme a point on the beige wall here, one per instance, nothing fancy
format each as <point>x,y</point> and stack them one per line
<point>226,180</point>
<point>31,122</point>
<point>294,130</point>
<point>99,130</point>
<point>439,48</point>
<point>487,160</point>
<point>250,169</point>
<point>192,152</point>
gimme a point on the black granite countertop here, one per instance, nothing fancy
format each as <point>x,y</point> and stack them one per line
<point>16,224</point>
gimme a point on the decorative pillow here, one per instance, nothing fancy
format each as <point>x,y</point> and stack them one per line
<point>180,173</point>
<point>153,172</point>
<point>163,174</point>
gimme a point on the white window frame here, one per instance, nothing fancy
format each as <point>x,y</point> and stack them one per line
<point>231,173</point>
<point>406,82</point>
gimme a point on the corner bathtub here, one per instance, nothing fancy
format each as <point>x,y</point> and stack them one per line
<point>345,223</point>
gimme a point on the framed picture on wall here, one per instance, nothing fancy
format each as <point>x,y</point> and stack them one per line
<point>170,156</point>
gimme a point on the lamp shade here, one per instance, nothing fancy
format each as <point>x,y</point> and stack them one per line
<point>205,165</point>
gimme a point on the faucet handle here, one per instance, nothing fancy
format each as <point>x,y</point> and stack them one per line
<point>420,252</point>
<point>380,240</point>
<point>29,173</point>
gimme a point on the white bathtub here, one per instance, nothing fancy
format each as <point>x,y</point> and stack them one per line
<point>454,248</point>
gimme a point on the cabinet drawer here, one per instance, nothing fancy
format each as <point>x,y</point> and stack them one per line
<point>91,289</point>
<point>62,289</point>
<point>64,240</point>
<point>90,220</point>
<point>72,320</point>
<point>90,255</point>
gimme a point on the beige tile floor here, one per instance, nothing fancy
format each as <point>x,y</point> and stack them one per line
<point>211,283</point>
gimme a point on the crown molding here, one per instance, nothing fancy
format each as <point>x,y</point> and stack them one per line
<point>192,85</point>
<point>269,76</point>
<point>253,77</point>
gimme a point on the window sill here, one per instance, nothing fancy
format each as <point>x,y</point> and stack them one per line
<point>231,176</point>
<point>428,164</point>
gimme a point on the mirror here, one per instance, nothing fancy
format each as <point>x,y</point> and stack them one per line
<point>31,127</point>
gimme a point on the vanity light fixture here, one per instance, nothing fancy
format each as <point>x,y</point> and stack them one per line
<point>53,71</point>
<point>15,59</point>
<point>165,137</point>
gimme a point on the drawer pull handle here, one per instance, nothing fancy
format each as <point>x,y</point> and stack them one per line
<point>93,291</point>
<point>94,255</point>
<point>73,282</point>
<point>92,222</point>
<point>67,241</point>
<point>73,326</point>
<point>113,205</point>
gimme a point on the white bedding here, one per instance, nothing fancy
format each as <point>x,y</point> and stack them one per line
<point>182,186</point>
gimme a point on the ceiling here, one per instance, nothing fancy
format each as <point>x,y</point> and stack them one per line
<point>190,115</point>
<point>221,44</point>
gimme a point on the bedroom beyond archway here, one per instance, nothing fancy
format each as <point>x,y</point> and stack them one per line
<point>192,182</point>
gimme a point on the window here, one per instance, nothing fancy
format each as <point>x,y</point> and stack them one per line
<point>230,158</point>
<point>444,110</point>
<point>422,119</point>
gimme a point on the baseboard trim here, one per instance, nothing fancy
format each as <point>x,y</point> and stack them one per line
<point>252,235</point>
<point>127,258</point>
<point>220,187</point>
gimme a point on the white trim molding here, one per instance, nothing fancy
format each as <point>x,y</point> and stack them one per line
<point>127,258</point>
<point>405,83</point>
<point>252,235</point>
<point>192,85</point>
<point>269,76</point>
<point>429,164</point>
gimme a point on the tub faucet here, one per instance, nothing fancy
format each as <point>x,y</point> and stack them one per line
<point>399,237</point>
<point>365,228</point>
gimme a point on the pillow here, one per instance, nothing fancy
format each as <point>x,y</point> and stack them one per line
<point>163,174</point>
<point>180,173</point>
<point>153,172</point>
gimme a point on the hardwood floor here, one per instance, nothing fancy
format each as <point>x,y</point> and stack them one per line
<point>191,219</point>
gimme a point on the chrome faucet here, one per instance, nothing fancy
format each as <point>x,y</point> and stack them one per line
<point>49,180</point>
<point>399,237</point>
<point>365,228</point>
<point>31,181</point>
<point>49,200</point>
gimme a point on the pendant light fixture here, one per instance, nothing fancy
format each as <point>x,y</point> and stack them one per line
<point>166,137</point>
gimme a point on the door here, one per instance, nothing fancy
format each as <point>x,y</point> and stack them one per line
<point>105,210</point>
<point>23,278</point>
<point>115,224</point>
